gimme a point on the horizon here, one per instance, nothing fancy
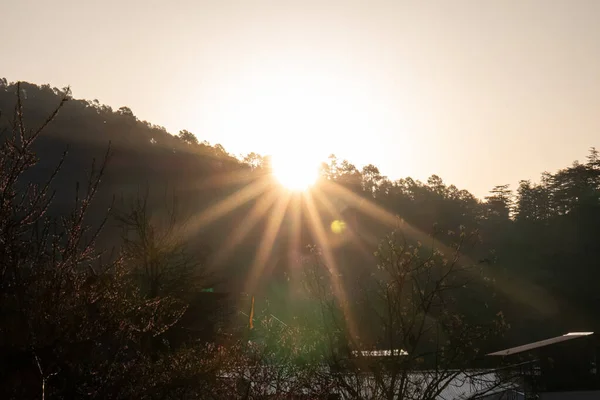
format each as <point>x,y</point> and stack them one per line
<point>511,88</point>
<point>324,160</point>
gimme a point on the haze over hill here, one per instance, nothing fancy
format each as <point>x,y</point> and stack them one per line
<point>478,92</point>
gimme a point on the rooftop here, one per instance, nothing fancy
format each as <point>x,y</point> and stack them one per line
<point>541,343</point>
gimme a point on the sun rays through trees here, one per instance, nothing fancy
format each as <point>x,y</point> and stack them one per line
<point>109,289</point>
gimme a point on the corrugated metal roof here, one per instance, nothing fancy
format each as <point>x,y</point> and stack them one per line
<point>541,343</point>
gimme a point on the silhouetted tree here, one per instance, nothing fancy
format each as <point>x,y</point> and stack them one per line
<point>406,309</point>
<point>499,203</point>
<point>74,324</point>
<point>188,137</point>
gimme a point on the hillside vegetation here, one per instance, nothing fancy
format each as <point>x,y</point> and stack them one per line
<point>220,222</point>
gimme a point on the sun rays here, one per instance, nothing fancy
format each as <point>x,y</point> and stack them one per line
<point>227,205</point>
<point>271,208</point>
<point>241,231</point>
<point>266,244</point>
<point>271,205</point>
<point>330,262</point>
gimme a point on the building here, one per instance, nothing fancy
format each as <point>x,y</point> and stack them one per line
<point>562,367</point>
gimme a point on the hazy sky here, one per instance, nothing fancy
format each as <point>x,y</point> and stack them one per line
<point>479,92</point>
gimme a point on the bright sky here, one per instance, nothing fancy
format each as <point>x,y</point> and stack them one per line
<point>480,92</point>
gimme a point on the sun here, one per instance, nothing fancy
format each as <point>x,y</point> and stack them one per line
<point>294,172</point>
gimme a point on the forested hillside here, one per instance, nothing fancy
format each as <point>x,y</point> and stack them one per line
<point>538,245</point>
<point>542,236</point>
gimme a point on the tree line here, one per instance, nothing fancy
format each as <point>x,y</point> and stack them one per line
<point>104,295</point>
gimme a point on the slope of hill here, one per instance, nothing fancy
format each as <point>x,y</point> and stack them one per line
<point>544,237</point>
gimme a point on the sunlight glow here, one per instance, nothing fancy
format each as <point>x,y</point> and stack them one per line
<point>301,106</point>
<point>293,172</point>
